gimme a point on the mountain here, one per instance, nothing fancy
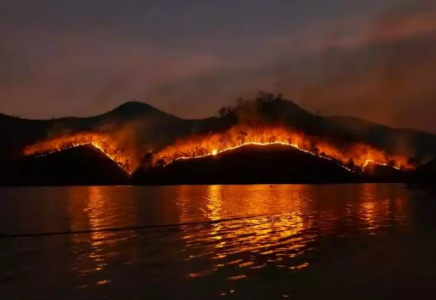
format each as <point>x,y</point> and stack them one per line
<point>149,129</point>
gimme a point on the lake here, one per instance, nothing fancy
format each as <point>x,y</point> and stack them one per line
<point>206,242</point>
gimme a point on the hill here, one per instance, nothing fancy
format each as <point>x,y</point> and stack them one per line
<point>144,128</point>
<point>246,165</point>
<point>82,165</point>
<point>380,173</point>
<point>425,173</point>
<point>142,122</point>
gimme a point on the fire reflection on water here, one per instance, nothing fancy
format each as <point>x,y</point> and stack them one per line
<point>93,209</point>
<point>265,237</point>
<point>280,225</point>
<point>231,233</point>
<point>378,213</point>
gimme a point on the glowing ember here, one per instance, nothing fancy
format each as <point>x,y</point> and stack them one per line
<point>357,155</point>
<point>102,142</point>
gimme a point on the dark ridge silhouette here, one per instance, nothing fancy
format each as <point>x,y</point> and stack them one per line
<point>425,173</point>
<point>135,109</point>
<point>150,129</point>
<point>424,177</point>
<point>154,129</point>
<point>379,173</point>
<point>149,123</point>
<point>408,142</point>
<point>82,165</point>
<point>246,165</point>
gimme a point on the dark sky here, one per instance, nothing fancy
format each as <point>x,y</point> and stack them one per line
<point>372,59</point>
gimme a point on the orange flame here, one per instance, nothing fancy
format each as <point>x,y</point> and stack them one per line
<point>125,159</point>
<point>215,143</point>
<point>212,144</point>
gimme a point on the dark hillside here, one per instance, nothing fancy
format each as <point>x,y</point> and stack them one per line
<point>83,165</point>
<point>249,164</point>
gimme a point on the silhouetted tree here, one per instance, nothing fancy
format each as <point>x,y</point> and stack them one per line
<point>147,160</point>
<point>222,112</point>
<point>202,151</point>
<point>160,163</point>
<point>127,164</point>
<point>350,164</point>
<point>242,136</point>
<point>224,139</point>
<point>240,102</point>
<point>313,148</point>
<point>414,162</point>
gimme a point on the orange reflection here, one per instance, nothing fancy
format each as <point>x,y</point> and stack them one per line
<point>214,202</point>
<point>93,209</point>
<point>261,222</point>
<point>275,226</point>
<point>375,205</point>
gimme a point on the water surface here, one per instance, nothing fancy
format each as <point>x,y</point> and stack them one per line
<point>206,242</point>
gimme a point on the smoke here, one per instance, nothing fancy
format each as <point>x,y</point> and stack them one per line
<point>379,67</point>
<point>383,73</point>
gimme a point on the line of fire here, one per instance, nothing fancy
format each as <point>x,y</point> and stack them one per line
<point>354,157</point>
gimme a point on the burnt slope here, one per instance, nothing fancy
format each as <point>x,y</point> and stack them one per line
<point>83,165</point>
<point>249,164</point>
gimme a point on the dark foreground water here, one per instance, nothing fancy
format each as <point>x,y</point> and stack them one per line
<point>367,241</point>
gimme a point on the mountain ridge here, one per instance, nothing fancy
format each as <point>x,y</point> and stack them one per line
<point>153,129</point>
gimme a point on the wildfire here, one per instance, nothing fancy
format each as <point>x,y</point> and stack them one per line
<point>350,157</point>
<point>102,142</point>
<point>370,162</point>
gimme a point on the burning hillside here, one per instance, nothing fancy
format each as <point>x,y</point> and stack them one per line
<point>250,164</point>
<point>125,158</point>
<point>78,165</point>
<point>350,156</point>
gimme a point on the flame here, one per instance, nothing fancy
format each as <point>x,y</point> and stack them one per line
<point>361,155</point>
<point>372,162</point>
<point>124,158</point>
<point>212,144</point>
